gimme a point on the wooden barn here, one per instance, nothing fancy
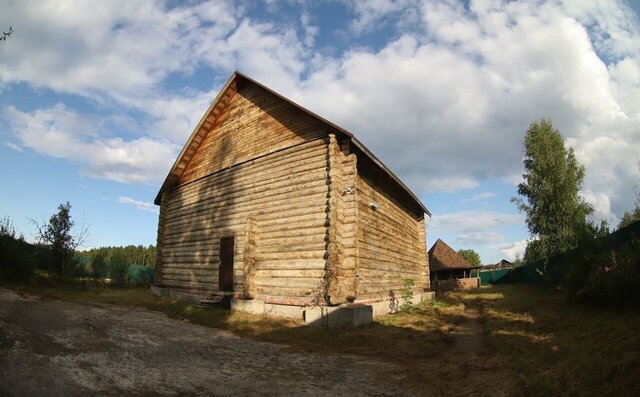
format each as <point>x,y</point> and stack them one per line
<point>450,270</point>
<point>280,209</point>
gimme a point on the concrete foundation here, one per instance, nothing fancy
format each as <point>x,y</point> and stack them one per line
<point>350,315</point>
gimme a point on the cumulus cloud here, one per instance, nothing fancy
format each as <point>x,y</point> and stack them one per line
<point>112,47</point>
<point>514,250</point>
<point>446,107</point>
<point>478,238</point>
<point>444,102</point>
<point>471,222</point>
<point>142,205</point>
<point>480,196</point>
<point>63,133</point>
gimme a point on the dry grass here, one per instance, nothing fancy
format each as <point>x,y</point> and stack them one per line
<point>560,347</point>
<point>420,332</point>
<point>548,346</point>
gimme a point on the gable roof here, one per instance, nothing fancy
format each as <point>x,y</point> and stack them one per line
<point>443,257</point>
<point>216,108</point>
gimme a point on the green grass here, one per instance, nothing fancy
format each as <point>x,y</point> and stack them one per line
<point>560,347</point>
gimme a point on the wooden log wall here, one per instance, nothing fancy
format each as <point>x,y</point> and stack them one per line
<point>391,245</point>
<point>160,241</point>
<point>283,194</point>
<point>425,281</point>
<point>341,249</point>
<point>253,123</point>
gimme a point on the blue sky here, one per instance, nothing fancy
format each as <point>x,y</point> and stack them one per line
<point>97,99</point>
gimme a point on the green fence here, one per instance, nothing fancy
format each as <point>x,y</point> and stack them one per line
<point>554,272</point>
<point>488,277</point>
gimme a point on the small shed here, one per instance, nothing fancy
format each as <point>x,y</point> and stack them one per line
<point>279,210</point>
<point>450,270</point>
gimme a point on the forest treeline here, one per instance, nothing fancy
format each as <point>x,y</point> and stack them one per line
<point>131,254</point>
<point>120,266</point>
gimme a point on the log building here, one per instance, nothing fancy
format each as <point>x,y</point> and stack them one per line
<point>271,203</point>
<point>450,270</point>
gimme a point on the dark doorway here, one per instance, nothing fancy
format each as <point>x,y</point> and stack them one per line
<point>225,273</point>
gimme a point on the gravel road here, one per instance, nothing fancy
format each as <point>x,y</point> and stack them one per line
<point>53,347</point>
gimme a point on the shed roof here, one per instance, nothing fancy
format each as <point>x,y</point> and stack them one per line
<point>443,257</point>
<point>220,102</point>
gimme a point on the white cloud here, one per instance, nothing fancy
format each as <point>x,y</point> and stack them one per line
<point>63,133</point>
<point>444,102</point>
<point>370,14</point>
<point>478,238</point>
<point>514,250</point>
<point>111,47</point>
<point>13,146</point>
<point>142,205</point>
<point>471,222</point>
<point>480,196</point>
<point>601,206</point>
<point>446,108</point>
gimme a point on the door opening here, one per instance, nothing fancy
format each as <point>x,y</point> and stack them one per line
<point>225,272</point>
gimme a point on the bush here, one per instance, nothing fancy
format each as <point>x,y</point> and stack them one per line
<point>407,294</point>
<point>607,275</point>
<point>140,275</point>
<point>17,261</point>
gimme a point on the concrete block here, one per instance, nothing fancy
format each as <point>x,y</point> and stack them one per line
<point>340,316</point>
<point>248,305</point>
<point>295,312</point>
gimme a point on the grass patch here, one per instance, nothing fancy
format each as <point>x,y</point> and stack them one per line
<point>559,347</point>
<point>420,332</point>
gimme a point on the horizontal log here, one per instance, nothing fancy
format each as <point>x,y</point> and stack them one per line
<point>317,254</point>
<point>282,291</point>
<point>234,188</point>
<point>291,264</point>
<point>300,282</point>
<point>247,171</point>
<point>298,273</point>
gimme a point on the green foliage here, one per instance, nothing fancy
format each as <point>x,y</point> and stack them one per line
<point>130,265</point>
<point>629,217</point>
<point>632,216</point>
<point>606,275</point>
<point>99,267</point>
<point>132,254</point>
<point>555,212</point>
<point>407,294</point>
<point>139,275</point>
<point>471,256</point>
<point>119,269</point>
<point>17,257</point>
<point>57,234</point>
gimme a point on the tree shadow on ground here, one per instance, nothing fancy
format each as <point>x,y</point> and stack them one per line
<point>559,347</point>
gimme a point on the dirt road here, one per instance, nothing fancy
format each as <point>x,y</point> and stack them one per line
<point>50,347</point>
<point>54,347</point>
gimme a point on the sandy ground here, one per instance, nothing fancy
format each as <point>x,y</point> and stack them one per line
<point>51,347</point>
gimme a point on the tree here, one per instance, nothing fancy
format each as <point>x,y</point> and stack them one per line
<point>632,216</point>
<point>99,267</point>
<point>471,256</point>
<point>555,212</point>
<point>57,234</point>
